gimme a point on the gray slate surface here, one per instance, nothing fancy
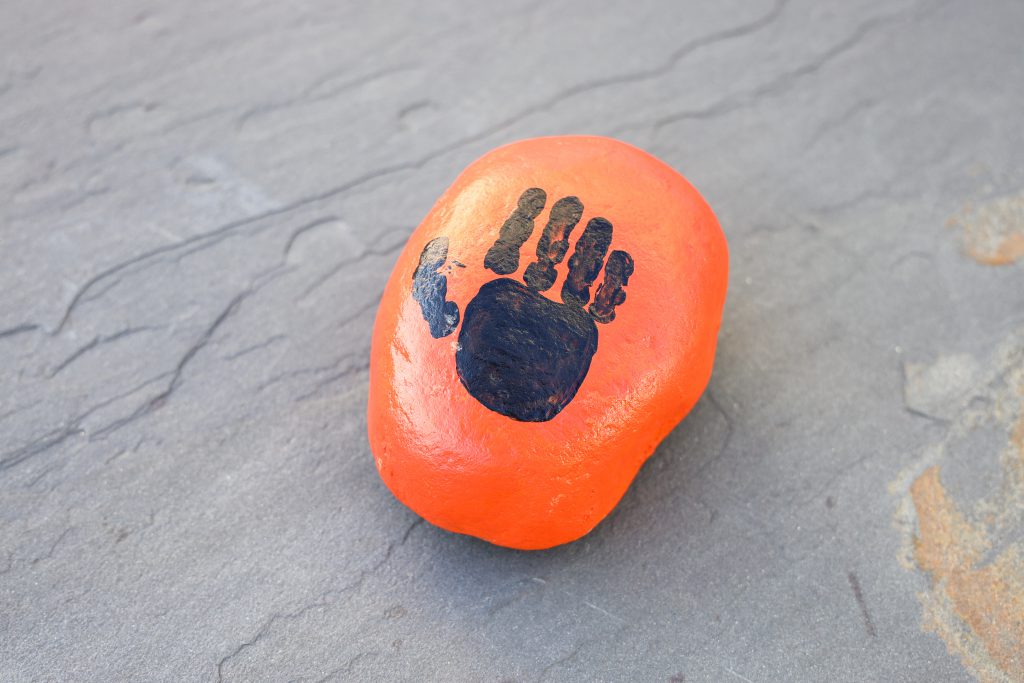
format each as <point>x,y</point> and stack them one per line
<point>201,203</point>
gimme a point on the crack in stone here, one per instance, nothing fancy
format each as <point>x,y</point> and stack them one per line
<point>323,600</point>
<point>96,342</point>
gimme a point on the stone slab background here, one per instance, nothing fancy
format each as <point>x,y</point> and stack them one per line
<point>200,203</point>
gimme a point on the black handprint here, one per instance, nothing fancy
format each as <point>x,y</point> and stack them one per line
<point>520,353</point>
<point>430,288</point>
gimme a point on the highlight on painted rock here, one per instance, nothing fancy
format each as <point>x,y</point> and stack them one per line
<point>549,322</point>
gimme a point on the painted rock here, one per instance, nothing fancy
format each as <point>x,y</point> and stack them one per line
<point>547,325</point>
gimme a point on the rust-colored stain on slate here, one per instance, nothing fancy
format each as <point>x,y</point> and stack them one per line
<point>970,551</point>
<point>993,233</point>
<point>1017,438</point>
<point>985,596</point>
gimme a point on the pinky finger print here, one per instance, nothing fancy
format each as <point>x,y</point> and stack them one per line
<point>516,398</point>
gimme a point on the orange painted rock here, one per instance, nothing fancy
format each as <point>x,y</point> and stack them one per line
<point>547,325</point>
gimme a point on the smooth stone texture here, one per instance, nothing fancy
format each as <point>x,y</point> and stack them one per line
<point>528,429</point>
<point>202,201</point>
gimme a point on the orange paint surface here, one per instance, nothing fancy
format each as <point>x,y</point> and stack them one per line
<point>534,485</point>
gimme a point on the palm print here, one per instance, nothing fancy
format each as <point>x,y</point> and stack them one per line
<point>519,353</point>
